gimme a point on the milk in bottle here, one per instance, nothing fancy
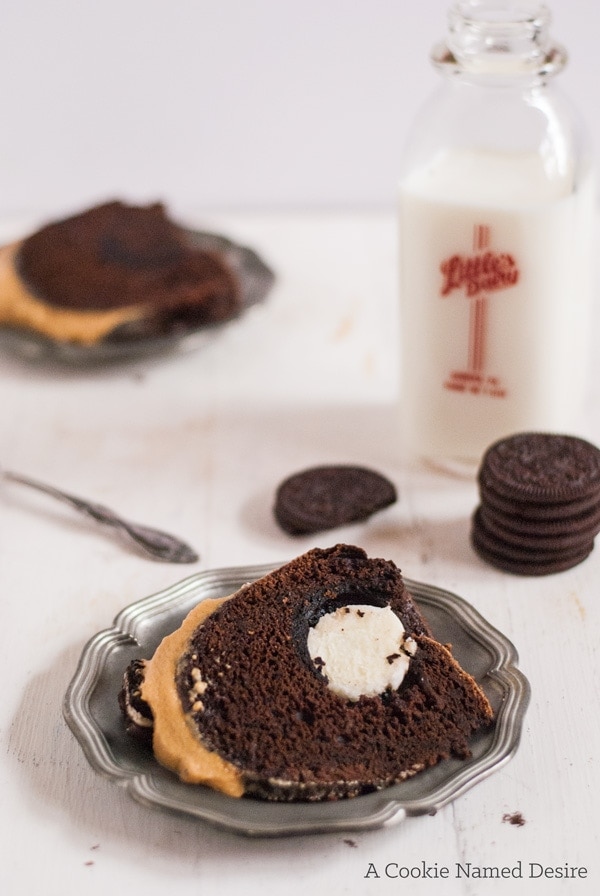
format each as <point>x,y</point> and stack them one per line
<point>496,229</point>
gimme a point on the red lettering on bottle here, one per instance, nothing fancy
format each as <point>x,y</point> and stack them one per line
<point>477,275</point>
<point>484,272</point>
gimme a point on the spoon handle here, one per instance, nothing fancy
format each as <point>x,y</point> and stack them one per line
<point>157,544</point>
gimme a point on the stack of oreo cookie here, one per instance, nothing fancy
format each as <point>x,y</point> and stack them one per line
<point>539,508</point>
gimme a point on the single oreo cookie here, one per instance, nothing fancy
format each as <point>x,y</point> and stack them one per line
<point>543,468</point>
<point>529,563</point>
<point>326,497</point>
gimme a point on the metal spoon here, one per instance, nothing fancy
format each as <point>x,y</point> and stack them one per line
<point>157,544</point>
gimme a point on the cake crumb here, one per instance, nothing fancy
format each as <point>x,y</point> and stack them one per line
<point>515,818</point>
<point>351,843</point>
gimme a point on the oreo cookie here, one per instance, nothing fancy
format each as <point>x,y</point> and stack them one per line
<point>539,507</point>
<point>544,537</point>
<point>538,512</point>
<point>325,497</point>
<point>542,468</point>
<point>530,563</point>
<point>137,713</point>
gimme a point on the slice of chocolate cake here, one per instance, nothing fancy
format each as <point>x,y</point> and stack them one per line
<point>114,271</point>
<point>319,681</point>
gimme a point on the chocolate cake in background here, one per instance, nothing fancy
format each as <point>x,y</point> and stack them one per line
<point>319,681</point>
<point>115,271</point>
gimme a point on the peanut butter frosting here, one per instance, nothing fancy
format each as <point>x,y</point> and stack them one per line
<point>175,744</point>
<point>19,307</point>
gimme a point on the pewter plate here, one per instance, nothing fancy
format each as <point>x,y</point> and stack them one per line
<point>255,280</point>
<point>91,711</point>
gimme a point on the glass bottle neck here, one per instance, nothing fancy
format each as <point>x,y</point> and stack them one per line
<point>509,39</point>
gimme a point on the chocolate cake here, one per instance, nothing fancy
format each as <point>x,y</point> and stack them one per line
<point>319,681</point>
<point>114,271</point>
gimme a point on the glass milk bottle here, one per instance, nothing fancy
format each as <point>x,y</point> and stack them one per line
<point>497,205</point>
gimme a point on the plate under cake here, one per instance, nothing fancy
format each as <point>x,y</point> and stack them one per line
<point>92,712</point>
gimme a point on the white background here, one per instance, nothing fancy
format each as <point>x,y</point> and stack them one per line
<point>235,104</point>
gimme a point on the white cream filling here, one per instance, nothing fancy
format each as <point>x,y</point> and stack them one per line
<point>362,650</point>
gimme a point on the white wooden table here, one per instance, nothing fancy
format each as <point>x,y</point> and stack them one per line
<point>196,443</point>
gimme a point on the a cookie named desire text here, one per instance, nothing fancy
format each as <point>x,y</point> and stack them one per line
<point>424,870</point>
